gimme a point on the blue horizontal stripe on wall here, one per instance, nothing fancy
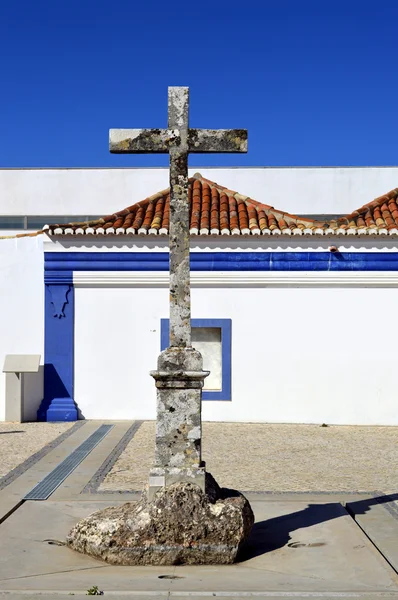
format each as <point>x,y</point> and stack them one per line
<point>58,277</point>
<point>222,261</point>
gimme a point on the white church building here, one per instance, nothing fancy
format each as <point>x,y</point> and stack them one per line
<point>292,307</point>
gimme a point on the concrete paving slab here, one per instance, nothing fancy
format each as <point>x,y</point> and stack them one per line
<point>74,484</point>
<point>109,498</point>
<point>154,595</point>
<point>378,518</point>
<point>11,495</point>
<point>295,548</point>
<point>309,497</point>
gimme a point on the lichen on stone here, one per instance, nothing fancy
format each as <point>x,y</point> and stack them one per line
<point>182,525</point>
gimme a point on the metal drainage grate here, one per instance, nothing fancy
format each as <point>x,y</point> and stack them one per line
<point>49,484</point>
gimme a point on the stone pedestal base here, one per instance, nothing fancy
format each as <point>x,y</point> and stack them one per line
<point>182,525</point>
<point>178,445</point>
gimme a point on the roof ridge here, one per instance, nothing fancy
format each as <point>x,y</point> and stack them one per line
<point>257,203</point>
<point>280,213</point>
<point>373,204</point>
<point>218,210</point>
<point>129,209</point>
<point>152,198</point>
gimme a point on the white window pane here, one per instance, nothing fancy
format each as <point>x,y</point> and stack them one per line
<point>208,341</point>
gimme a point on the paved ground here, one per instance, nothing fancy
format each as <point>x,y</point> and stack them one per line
<point>295,550</point>
<point>18,441</point>
<point>283,458</point>
<point>338,545</point>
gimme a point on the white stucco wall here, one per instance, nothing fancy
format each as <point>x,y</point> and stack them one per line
<point>102,191</point>
<point>312,354</point>
<point>316,354</point>
<point>303,354</point>
<point>22,311</point>
<point>299,354</point>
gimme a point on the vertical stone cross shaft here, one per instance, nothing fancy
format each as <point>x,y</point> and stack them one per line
<point>178,140</point>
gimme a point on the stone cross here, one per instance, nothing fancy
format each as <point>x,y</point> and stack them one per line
<point>178,140</point>
<point>180,377</point>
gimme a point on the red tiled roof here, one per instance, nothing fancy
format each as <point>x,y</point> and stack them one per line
<point>215,209</point>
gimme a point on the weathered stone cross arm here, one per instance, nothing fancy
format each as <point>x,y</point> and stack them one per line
<point>160,141</point>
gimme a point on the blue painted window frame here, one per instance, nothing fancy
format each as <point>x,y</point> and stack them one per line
<point>226,336</point>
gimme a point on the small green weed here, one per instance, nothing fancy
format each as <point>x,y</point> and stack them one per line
<point>94,591</point>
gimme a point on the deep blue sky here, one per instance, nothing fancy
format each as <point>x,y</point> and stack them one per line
<point>315,82</point>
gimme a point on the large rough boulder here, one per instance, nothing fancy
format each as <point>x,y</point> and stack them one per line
<point>182,525</point>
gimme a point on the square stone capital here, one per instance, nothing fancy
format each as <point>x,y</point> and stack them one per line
<point>180,359</point>
<point>179,379</point>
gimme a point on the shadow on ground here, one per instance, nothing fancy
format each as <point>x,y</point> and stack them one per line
<point>269,535</point>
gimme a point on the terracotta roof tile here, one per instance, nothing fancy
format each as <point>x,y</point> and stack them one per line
<point>215,209</point>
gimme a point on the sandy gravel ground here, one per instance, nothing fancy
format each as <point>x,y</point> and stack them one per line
<point>284,458</point>
<point>18,441</point>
